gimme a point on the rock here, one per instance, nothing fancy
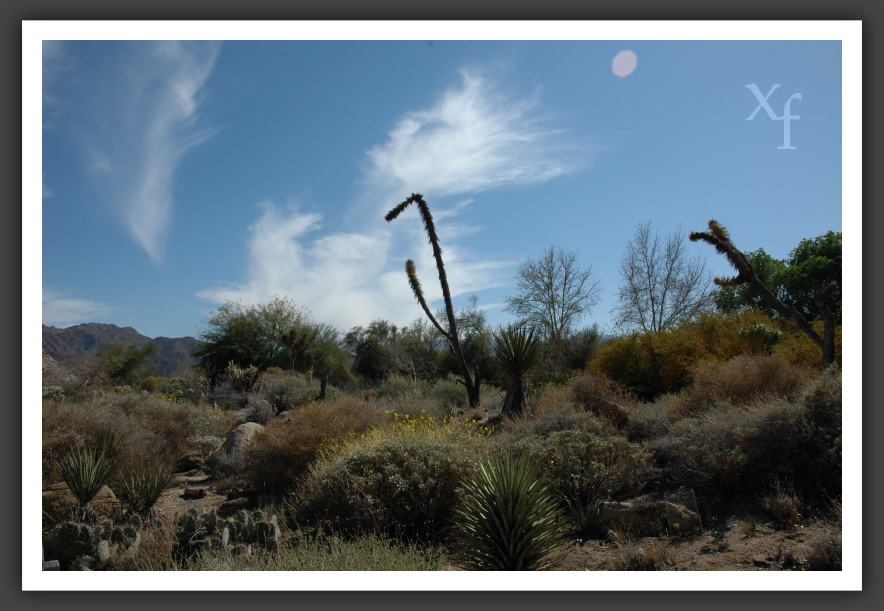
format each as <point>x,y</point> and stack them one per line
<point>231,451</point>
<point>632,516</point>
<point>647,516</point>
<point>231,507</point>
<point>189,462</point>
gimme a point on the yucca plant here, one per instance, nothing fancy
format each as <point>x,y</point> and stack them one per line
<point>517,350</point>
<point>508,521</point>
<point>144,487</point>
<point>85,472</point>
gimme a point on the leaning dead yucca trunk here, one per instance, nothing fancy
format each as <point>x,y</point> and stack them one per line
<point>509,521</point>
<point>470,379</point>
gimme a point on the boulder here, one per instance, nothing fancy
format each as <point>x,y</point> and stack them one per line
<point>231,451</point>
<point>646,516</point>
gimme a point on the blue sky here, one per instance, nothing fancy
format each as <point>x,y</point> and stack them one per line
<point>177,175</point>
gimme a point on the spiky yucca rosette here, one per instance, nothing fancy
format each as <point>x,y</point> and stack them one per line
<point>508,521</point>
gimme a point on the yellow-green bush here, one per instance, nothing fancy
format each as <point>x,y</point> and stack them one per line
<point>651,364</point>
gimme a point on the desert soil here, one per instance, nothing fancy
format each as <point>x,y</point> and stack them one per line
<point>734,544</point>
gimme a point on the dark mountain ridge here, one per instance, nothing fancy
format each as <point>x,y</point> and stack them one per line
<point>84,341</point>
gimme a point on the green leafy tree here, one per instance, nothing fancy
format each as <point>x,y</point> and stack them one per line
<point>470,378</point>
<point>323,354</point>
<point>821,296</point>
<point>796,280</point>
<point>127,363</point>
<point>372,349</point>
<point>249,335</point>
<point>744,296</point>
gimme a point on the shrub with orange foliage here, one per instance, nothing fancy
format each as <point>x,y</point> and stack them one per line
<point>650,364</point>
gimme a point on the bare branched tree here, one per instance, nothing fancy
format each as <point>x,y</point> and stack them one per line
<point>555,293</point>
<point>661,285</point>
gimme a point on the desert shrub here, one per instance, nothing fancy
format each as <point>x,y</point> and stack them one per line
<point>584,466</point>
<point>260,410</point>
<point>149,429</point>
<point>279,454</point>
<point>743,449</point>
<point>784,505</point>
<point>395,386</point>
<point>287,391</point>
<point>227,397</point>
<point>539,424</point>
<point>599,395</point>
<point>449,394</point>
<point>820,465</point>
<point>742,380</point>
<point>648,420</point>
<point>633,556</point>
<point>402,480</point>
<point>152,383</point>
<point>823,554</point>
<point>651,364</point>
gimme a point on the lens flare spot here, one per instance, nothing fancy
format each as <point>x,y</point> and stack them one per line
<point>624,63</point>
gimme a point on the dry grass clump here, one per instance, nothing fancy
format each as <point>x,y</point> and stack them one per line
<point>596,393</point>
<point>648,420</point>
<point>784,505</point>
<point>327,552</point>
<point>745,448</point>
<point>742,380</point>
<point>151,430</point>
<point>634,555</point>
<point>280,453</point>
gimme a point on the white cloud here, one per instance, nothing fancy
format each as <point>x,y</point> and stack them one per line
<point>62,311</point>
<point>153,124</point>
<point>473,139</point>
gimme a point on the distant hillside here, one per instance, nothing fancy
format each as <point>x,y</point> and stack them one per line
<point>84,341</point>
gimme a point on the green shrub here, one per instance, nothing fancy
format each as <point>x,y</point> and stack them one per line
<point>390,483</point>
<point>287,391</point>
<point>508,520</point>
<point>450,395</point>
<point>584,466</point>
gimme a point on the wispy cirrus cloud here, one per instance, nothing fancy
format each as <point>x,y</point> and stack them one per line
<point>151,124</point>
<point>60,310</point>
<point>475,137</point>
